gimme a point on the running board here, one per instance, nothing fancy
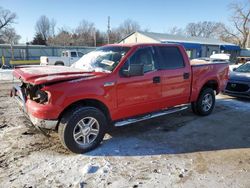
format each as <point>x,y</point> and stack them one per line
<point>150,116</point>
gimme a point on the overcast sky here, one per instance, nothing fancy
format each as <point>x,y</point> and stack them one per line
<point>155,15</point>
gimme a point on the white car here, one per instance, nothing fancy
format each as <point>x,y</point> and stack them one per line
<point>220,57</point>
<point>67,59</point>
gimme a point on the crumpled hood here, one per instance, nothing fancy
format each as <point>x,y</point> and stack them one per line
<point>239,76</point>
<point>48,74</point>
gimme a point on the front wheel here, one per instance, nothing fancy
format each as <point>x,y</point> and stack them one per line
<point>82,129</point>
<point>205,103</point>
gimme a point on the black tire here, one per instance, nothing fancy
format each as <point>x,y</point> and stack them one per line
<point>205,103</point>
<point>59,63</point>
<point>70,125</point>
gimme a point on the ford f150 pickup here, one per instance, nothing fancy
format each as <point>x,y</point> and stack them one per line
<point>116,85</point>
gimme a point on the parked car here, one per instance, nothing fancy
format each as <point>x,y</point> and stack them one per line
<point>6,67</point>
<point>220,57</point>
<point>232,67</point>
<point>116,85</point>
<point>239,82</point>
<point>67,59</point>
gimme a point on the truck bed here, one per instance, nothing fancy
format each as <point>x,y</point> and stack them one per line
<point>203,71</point>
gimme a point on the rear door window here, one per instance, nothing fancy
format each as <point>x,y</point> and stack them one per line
<point>169,57</point>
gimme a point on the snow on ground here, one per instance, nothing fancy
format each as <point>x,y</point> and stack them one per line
<point>6,75</point>
<point>179,150</point>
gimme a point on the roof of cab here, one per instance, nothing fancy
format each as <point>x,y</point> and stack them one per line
<point>143,44</point>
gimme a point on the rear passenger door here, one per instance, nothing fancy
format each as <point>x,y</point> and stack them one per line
<point>175,76</point>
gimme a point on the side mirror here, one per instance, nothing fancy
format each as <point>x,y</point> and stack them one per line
<point>234,69</point>
<point>133,70</point>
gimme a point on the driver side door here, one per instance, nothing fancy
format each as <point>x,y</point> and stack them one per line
<point>138,95</point>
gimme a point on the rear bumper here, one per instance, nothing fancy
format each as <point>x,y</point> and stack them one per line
<point>30,111</point>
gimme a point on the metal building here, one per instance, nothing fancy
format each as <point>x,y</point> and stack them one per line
<point>195,46</point>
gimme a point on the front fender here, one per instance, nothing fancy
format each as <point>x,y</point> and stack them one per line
<point>66,94</point>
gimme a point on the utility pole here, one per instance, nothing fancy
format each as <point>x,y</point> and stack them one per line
<point>94,36</point>
<point>108,32</point>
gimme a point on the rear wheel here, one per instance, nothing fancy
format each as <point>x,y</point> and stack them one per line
<point>205,103</point>
<point>59,63</point>
<point>82,129</point>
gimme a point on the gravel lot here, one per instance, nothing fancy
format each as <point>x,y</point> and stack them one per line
<point>179,150</point>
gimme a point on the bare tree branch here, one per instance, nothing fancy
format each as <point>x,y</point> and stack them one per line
<point>176,31</point>
<point>205,29</point>
<point>45,27</point>
<point>10,36</point>
<point>6,18</point>
<point>241,23</point>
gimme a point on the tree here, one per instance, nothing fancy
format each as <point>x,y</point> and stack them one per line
<point>85,33</point>
<point>100,38</point>
<point>127,27</point>
<point>64,37</point>
<point>176,31</point>
<point>45,27</point>
<point>240,30</point>
<point>52,27</point>
<point>206,29</point>
<point>10,36</point>
<point>6,18</point>
<point>8,33</point>
<point>38,40</point>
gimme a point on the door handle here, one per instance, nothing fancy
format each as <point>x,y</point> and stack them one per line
<point>186,75</point>
<point>156,79</point>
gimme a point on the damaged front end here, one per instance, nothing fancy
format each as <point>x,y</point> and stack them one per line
<point>29,91</point>
<point>35,94</point>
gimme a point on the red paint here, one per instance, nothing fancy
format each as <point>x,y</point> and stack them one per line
<point>128,96</point>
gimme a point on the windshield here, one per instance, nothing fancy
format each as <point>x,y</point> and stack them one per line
<point>103,59</point>
<point>244,68</point>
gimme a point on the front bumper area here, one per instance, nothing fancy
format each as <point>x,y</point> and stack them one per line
<point>237,89</point>
<point>42,123</point>
<point>20,98</point>
<point>237,94</point>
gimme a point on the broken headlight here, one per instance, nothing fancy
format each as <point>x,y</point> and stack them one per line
<point>41,96</point>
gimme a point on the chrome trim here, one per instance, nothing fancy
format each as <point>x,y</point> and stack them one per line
<point>107,84</point>
<point>18,94</point>
<point>150,116</point>
<point>42,123</point>
<point>85,133</point>
<point>202,64</point>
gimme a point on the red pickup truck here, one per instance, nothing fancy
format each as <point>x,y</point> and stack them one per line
<point>116,85</point>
